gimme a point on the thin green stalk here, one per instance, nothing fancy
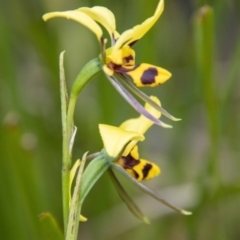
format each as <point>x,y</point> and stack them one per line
<point>64,103</point>
<point>231,84</point>
<point>67,159</point>
<point>87,73</point>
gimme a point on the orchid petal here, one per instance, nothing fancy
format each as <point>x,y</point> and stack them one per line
<point>103,16</point>
<point>107,70</point>
<point>77,16</point>
<point>141,174</point>
<point>148,75</point>
<point>132,35</point>
<point>142,124</point>
<point>140,169</point>
<point>115,139</point>
<point>124,56</point>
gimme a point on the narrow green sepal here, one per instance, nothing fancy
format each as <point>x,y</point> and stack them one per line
<point>126,198</point>
<point>50,227</point>
<point>149,191</point>
<point>134,103</point>
<point>85,75</point>
<point>148,100</point>
<point>92,173</point>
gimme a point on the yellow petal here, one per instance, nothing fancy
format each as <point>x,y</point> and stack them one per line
<point>128,55</point>
<point>140,124</point>
<point>145,170</point>
<point>124,57</point>
<point>134,152</point>
<point>137,32</point>
<point>115,139</point>
<point>148,75</point>
<point>107,70</point>
<point>103,16</point>
<point>77,16</point>
<point>114,56</point>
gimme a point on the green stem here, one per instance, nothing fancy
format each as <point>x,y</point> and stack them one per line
<point>67,159</point>
<point>87,73</point>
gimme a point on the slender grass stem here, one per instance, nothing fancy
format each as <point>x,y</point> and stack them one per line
<point>67,158</point>
<point>205,44</point>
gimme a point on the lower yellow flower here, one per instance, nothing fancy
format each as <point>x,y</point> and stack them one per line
<point>120,144</point>
<point>120,153</point>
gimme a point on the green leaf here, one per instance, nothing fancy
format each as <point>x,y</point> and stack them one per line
<point>149,191</point>
<point>50,227</point>
<point>205,65</point>
<point>92,173</point>
<point>205,58</point>
<point>126,198</point>
<point>85,75</point>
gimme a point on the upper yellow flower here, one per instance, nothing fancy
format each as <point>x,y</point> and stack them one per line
<point>120,143</point>
<point>119,59</point>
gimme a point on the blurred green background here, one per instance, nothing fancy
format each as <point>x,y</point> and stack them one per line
<point>199,157</point>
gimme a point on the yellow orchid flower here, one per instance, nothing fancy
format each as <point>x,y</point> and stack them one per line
<point>119,59</point>
<point>123,139</point>
<point>120,153</point>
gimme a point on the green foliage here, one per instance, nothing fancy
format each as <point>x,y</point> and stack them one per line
<point>50,227</point>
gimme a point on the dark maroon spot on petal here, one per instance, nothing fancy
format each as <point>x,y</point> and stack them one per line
<point>146,170</point>
<point>115,67</point>
<point>135,174</point>
<point>129,58</point>
<point>123,70</point>
<point>148,76</point>
<point>129,161</point>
